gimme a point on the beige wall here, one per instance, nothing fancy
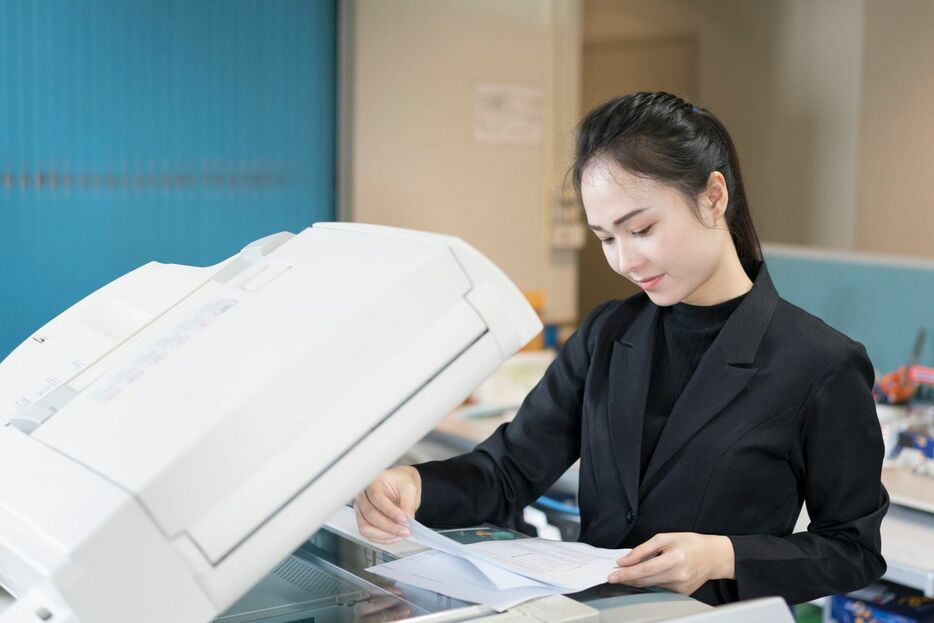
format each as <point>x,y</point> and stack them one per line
<point>414,160</point>
<point>896,169</point>
<point>812,145</point>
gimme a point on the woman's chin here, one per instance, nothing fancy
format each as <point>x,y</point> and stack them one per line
<point>663,299</point>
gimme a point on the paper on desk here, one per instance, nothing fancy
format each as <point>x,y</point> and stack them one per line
<point>456,577</point>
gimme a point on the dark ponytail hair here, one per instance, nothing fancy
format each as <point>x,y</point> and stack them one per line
<point>662,137</point>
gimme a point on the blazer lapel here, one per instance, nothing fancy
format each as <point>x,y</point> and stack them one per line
<point>713,386</point>
<point>630,370</point>
<point>723,372</point>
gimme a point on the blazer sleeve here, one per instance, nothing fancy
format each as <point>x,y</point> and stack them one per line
<point>842,452</point>
<point>522,458</point>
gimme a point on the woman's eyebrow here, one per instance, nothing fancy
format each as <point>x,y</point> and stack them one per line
<point>620,220</point>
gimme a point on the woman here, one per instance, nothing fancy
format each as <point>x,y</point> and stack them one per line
<point>704,411</point>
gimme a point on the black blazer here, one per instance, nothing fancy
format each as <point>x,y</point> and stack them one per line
<point>778,412</point>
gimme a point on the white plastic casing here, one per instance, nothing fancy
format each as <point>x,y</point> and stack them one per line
<point>173,436</point>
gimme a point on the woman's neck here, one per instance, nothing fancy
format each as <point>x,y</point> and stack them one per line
<point>728,281</point>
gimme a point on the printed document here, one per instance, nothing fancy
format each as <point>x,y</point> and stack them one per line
<point>457,578</point>
<point>501,572</point>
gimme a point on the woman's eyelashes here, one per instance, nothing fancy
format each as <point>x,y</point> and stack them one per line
<point>642,232</point>
<point>635,234</point>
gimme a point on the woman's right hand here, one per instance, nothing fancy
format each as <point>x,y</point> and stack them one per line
<point>383,509</point>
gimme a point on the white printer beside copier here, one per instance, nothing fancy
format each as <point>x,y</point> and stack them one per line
<point>173,437</point>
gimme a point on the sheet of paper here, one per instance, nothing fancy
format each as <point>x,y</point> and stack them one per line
<point>570,567</point>
<point>453,576</point>
<point>501,578</point>
<point>574,566</point>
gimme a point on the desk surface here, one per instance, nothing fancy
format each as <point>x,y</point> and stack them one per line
<point>908,530</point>
<point>908,489</point>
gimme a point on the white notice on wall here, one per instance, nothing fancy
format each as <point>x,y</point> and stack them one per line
<point>507,113</point>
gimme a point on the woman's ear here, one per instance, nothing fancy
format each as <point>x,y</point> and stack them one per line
<point>715,198</point>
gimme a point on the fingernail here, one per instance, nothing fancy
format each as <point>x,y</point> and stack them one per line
<point>612,579</point>
<point>403,532</point>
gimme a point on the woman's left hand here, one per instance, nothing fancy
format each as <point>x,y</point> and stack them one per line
<point>678,561</point>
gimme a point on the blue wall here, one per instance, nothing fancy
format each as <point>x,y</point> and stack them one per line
<point>879,303</point>
<point>164,130</point>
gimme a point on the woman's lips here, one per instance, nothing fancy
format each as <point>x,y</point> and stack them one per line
<point>651,282</point>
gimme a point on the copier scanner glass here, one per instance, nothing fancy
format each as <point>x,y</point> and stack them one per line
<point>326,580</point>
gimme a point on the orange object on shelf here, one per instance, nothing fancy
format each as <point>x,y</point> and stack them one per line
<point>536,299</point>
<point>897,385</point>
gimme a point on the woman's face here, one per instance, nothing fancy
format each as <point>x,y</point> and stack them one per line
<point>651,235</point>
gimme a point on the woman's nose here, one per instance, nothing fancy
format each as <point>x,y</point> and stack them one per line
<point>626,260</point>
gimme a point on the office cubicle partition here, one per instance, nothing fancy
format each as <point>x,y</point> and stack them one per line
<point>155,130</point>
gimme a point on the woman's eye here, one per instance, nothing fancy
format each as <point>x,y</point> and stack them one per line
<point>642,232</point>
<point>606,240</point>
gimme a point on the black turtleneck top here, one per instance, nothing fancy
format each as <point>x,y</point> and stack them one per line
<point>684,333</point>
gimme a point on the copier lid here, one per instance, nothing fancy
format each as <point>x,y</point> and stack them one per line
<point>216,424</point>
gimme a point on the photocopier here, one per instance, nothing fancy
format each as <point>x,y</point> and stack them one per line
<point>171,444</point>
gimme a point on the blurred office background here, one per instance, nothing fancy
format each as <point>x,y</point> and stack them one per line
<point>179,131</point>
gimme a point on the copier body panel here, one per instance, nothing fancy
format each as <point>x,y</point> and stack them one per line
<point>178,433</point>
